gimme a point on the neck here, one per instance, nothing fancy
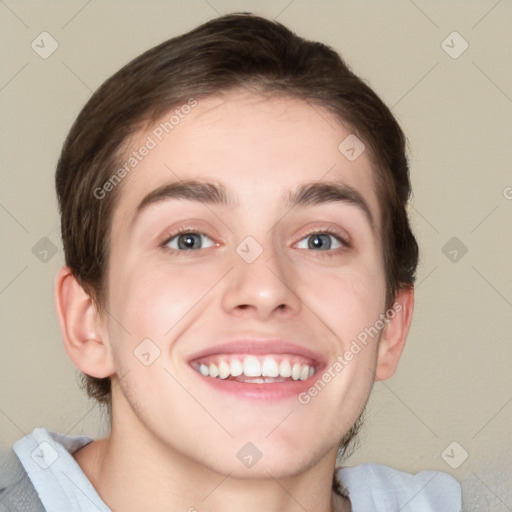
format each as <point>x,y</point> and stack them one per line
<point>132,471</point>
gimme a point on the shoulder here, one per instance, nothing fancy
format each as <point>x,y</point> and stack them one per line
<point>16,490</point>
<point>50,473</point>
<point>31,472</point>
<point>375,487</point>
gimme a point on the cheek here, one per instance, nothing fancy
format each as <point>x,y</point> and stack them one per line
<point>149,310</point>
<point>347,300</point>
<point>154,299</point>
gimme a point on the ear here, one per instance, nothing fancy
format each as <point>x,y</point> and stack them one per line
<point>394,334</point>
<point>84,332</point>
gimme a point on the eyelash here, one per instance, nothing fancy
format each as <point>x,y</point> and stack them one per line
<point>327,231</point>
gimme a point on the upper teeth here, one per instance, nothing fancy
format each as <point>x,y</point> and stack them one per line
<point>251,366</point>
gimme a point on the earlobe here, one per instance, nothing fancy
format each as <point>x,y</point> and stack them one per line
<point>394,334</point>
<point>84,333</point>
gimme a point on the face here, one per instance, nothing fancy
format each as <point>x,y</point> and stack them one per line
<point>245,260</point>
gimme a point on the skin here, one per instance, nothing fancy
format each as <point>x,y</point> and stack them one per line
<point>174,439</point>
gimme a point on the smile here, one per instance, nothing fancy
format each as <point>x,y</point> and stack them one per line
<point>254,369</point>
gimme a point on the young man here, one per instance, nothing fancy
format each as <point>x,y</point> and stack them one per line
<point>239,271</point>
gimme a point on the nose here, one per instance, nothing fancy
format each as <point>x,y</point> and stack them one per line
<point>261,289</point>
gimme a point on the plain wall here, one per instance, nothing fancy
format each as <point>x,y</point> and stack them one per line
<point>454,382</point>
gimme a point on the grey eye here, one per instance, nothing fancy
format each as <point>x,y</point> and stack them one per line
<point>320,241</point>
<point>190,241</point>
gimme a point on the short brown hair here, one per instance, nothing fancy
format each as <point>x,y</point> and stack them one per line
<point>234,51</point>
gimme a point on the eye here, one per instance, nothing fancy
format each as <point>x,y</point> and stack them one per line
<point>189,241</point>
<point>322,241</point>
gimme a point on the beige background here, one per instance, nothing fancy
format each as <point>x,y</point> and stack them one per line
<point>454,382</point>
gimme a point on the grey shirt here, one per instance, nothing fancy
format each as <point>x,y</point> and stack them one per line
<point>44,476</point>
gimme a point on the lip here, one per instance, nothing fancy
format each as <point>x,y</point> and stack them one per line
<point>258,348</point>
<point>269,391</point>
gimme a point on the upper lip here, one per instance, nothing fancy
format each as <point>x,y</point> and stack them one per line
<point>254,346</point>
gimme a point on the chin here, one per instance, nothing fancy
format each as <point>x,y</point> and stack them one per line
<point>263,460</point>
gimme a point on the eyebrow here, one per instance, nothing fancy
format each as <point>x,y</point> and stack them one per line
<point>213,193</point>
<point>193,190</point>
<point>328,192</point>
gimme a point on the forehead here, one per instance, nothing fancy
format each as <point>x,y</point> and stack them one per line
<point>249,143</point>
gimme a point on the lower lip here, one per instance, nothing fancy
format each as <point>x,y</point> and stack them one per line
<point>267,391</point>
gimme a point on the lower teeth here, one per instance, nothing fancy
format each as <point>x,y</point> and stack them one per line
<point>258,380</point>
